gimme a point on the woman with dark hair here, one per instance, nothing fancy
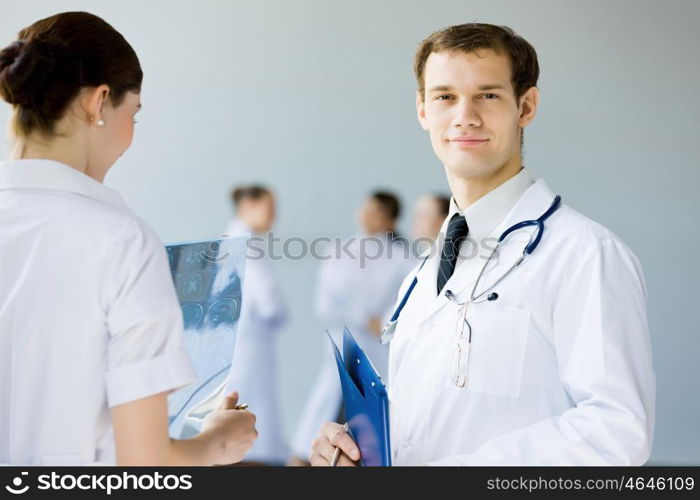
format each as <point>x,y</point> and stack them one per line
<point>90,325</point>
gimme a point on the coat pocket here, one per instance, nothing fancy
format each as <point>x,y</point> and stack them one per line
<point>497,352</point>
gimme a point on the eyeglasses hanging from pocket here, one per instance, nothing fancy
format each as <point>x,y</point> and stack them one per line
<point>460,359</point>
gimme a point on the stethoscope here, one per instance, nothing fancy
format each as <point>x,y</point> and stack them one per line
<point>535,238</point>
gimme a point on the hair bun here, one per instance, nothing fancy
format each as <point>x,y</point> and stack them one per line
<point>24,66</point>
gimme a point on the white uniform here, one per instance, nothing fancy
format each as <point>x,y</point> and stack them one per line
<point>89,318</point>
<point>254,368</point>
<point>560,370</point>
<point>350,292</point>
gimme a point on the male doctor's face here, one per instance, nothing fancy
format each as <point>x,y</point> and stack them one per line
<point>471,112</point>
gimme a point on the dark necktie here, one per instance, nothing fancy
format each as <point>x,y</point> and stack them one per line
<point>457,231</point>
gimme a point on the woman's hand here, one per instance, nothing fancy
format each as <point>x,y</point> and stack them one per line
<point>141,434</point>
<point>231,431</point>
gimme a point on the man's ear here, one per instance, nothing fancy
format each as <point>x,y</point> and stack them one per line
<point>93,102</point>
<point>420,110</point>
<point>528,106</point>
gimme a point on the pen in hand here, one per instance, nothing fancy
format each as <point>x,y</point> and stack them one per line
<point>336,453</point>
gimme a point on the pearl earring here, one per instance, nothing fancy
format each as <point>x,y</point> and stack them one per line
<point>100,123</point>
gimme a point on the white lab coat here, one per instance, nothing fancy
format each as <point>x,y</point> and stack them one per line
<point>254,368</point>
<point>89,318</point>
<point>560,371</point>
<point>349,293</point>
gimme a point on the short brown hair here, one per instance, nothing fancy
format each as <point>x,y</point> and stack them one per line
<point>54,58</point>
<point>473,36</point>
<point>254,192</point>
<point>388,203</point>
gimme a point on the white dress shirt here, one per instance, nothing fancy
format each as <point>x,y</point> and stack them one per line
<point>89,318</point>
<point>560,369</point>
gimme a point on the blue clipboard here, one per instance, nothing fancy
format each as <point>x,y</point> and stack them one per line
<point>366,402</point>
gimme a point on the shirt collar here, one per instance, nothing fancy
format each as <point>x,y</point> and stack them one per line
<point>484,215</point>
<point>50,174</point>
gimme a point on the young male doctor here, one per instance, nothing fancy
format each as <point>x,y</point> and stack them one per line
<point>493,363</point>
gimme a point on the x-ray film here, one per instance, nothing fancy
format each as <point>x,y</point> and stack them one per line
<point>208,277</point>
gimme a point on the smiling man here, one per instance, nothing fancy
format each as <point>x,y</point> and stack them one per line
<point>537,353</point>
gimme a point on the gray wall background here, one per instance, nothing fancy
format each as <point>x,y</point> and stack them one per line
<point>316,99</point>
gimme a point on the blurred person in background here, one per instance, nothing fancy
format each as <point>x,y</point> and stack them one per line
<point>356,289</point>
<point>263,314</point>
<point>428,215</point>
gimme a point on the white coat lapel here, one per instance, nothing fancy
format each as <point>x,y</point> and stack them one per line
<point>426,288</point>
